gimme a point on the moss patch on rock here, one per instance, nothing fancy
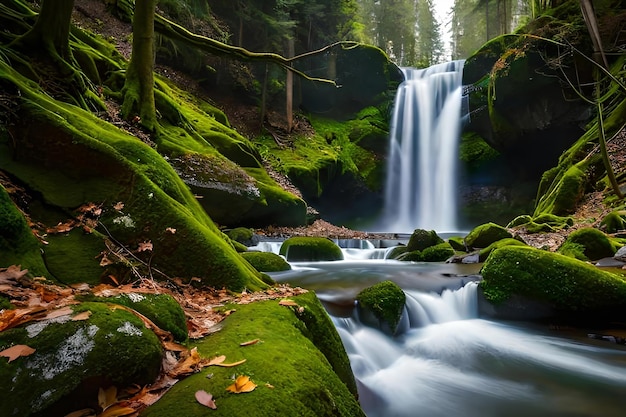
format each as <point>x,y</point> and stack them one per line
<point>381,305</point>
<point>305,249</point>
<point>509,241</point>
<point>567,284</point>
<point>421,239</point>
<point>266,261</point>
<point>587,244</point>
<point>486,234</point>
<point>73,359</point>
<point>299,365</point>
<point>614,222</point>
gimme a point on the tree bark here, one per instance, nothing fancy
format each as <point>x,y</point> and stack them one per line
<point>139,86</point>
<point>51,31</point>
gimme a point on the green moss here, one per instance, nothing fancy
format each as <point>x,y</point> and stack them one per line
<point>385,301</point>
<point>5,304</point>
<point>421,239</point>
<point>302,248</point>
<point>587,244</point>
<point>542,223</point>
<point>266,261</point>
<point>161,309</point>
<point>486,234</point>
<point>74,358</point>
<point>73,257</point>
<point>240,234</point>
<point>484,253</point>
<point>567,284</point>
<point>412,256</point>
<point>395,252</point>
<point>614,222</point>
<point>18,245</point>
<point>295,365</point>
<point>519,221</point>
<point>475,152</point>
<point>438,253</point>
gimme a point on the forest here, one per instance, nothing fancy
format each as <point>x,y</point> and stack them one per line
<point>151,151</point>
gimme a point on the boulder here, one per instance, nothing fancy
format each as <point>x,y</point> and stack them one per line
<point>307,249</point>
<point>421,239</point>
<point>587,244</point>
<point>381,306</point>
<point>266,261</point>
<point>486,234</point>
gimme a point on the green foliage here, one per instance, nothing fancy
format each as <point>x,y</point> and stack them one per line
<point>112,345</point>
<point>614,222</point>
<point>299,365</point>
<point>587,244</point>
<point>266,261</point>
<point>567,284</point>
<point>542,223</point>
<point>304,248</point>
<point>385,301</point>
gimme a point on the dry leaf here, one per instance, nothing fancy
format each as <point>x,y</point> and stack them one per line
<point>206,399</point>
<point>217,360</point>
<point>60,312</point>
<point>241,384</point>
<point>118,411</point>
<point>119,206</point>
<point>289,303</point>
<point>229,365</point>
<point>145,246</point>
<point>108,397</point>
<point>250,342</point>
<point>82,316</point>
<point>171,230</point>
<point>85,412</point>
<point>11,274</point>
<point>16,351</point>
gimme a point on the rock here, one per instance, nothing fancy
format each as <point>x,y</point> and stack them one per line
<point>486,234</point>
<point>73,359</point>
<point>307,249</point>
<point>484,253</point>
<point>565,287</point>
<point>620,255</point>
<point>266,261</point>
<point>421,239</point>
<point>587,244</point>
<point>381,306</point>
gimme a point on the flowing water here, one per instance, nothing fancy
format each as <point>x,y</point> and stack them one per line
<point>420,190</point>
<point>450,362</point>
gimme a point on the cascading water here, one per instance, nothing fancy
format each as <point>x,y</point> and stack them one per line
<point>423,151</point>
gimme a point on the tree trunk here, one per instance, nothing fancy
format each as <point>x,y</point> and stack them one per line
<point>139,85</point>
<point>289,86</point>
<point>51,31</point>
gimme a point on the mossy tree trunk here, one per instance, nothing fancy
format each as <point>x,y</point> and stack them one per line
<point>139,86</point>
<point>51,31</point>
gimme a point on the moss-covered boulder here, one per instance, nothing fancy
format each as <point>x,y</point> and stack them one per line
<point>73,359</point>
<point>304,249</point>
<point>438,253</point>
<point>162,309</point>
<point>518,277</point>
<point>381,306</point>
<point>486,234</point>
<point>614,222</point>
<point>396,252</point>
<point>242,235</point>
<point>421,239</point>
<point>542,223</point>
<point>509,241</point>
<point>457,243</point>
<point>587,244</point>
<point>266,261</point>
<point>299,365</point>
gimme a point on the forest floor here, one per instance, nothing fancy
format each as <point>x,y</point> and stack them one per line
<point>244,118</point>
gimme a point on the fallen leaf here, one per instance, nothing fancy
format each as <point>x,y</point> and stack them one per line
<point>82,316</point>
<point>217,360</point>
<point>60,312</point>
<point>85,412</point>
<point>11,274</point>
<point>118,206</point>
<point>289,303</point>
<point>118,411</point>
<point>229,365</point>
<point>270,386</point>
<point>242,384</point>
<point>107,397</point>
<point>145,246</point>
<point>205,399</point>
<point>250,342</point>
<point>16,351</point>
<point>171,230</point>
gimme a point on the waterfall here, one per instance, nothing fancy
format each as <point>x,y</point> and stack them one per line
<point>423,150</point>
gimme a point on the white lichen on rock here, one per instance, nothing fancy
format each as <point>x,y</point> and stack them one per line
<point>125,221</point>
<point>129,329</point>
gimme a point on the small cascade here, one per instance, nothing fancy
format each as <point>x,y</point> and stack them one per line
<point>423,150</point>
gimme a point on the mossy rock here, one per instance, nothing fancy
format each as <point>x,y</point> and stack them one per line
<point>421,239</point>
<point>162,309</point>
<point>563,197</point>
<point>457,243</point>
<point>18,245</point>
<point>73,359</point>
<point>614,222</point>
<point>242,235</point>
<point>413,256</point>
<point>396,252</point>
<point>299,365</point>
<point>307,249</point>
<point>266,261</point>
<point>587,244</point>
<point>566,285</point>
<point>509,241</point>
<point>519,221</point>
<point>381,306</point>
<point>486,234</point>
<point>438,253</point>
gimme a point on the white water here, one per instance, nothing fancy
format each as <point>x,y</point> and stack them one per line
<point>450,363</point>
<point>423,151</point>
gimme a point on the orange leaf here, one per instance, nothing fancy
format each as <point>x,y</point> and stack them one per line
<point>85,412</point>
<point>289,303</point>
<point>119,206</point>
<point>217,360</point>
<point>242,384</point>
<point>117,411</point>
<point>145,246</point>
<point>206,399</point>
<point>250,342</point>
<point>171,230</point>
<point>82,316</point>
<point>107,397</point>
<point>229,365</point>
<point>16,351</point>
<point>60,312</point>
